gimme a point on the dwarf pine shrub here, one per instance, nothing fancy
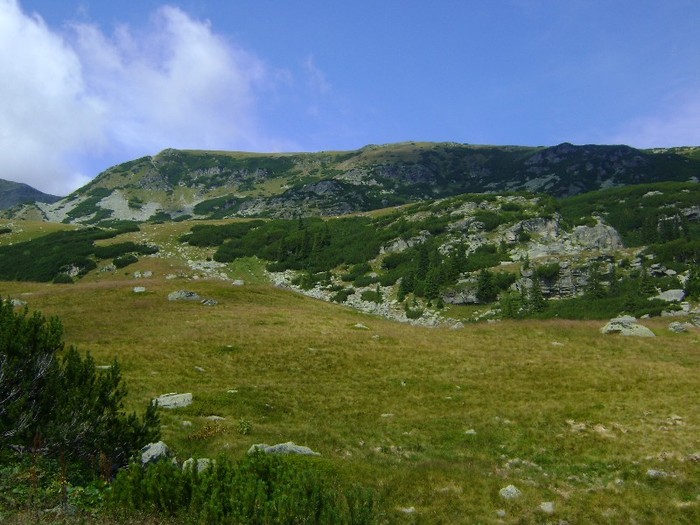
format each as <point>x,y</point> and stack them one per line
<point>259,489</point>
<point>64,407</point>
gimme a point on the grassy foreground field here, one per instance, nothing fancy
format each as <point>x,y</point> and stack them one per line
<point>437,421</point>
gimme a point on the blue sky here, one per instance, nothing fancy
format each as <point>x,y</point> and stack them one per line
<point>88,83</point>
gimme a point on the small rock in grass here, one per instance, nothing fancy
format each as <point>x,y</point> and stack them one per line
<point>510,492</point>
<point>282,448</point>
<point>184,295</point>
<point>214,418</point>
<point>139,289</point>
<point>470,432</point>
<point>360,326</point>
<point>501,513</point>
<point>656,474</point>
<point>547,507</point>
<point>408,510</point>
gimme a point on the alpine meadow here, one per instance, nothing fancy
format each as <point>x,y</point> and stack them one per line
<point>412,333</point>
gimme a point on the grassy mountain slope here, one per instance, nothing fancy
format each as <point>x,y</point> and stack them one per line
<point>436,420</point>
<point>433,419</point>
<point>404,262</point>
<point>182,183</point>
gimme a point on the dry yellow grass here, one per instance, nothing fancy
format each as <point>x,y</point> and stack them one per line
<point>434,419</point>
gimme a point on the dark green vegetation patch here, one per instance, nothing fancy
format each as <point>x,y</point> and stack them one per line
<point>64,252</point>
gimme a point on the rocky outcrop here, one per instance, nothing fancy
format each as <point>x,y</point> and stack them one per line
<point>283,449</point>
<point>174,400</point>
<point>154,452</point>
<point>626,326</point>
<point>598,237</point>
<point>184,295</point>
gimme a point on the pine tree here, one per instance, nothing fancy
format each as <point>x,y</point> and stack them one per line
<point>595,288</point>
<point>536,301</point>
<point>692,285</point>
<point>486,291</point>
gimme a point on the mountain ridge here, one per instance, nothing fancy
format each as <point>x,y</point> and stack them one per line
<point>176,184</point>
<point>15,193</point>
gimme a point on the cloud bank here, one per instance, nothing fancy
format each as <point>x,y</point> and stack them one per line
<point>79,99</point>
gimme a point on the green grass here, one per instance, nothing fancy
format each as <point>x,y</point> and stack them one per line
<point>578,422</point>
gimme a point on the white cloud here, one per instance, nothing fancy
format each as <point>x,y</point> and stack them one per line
<point>45,110</point>
<point>71,100</point>
<point>678,124</point>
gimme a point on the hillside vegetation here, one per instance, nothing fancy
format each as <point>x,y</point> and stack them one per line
<point>522,255</point>
<point>427,420</point>
<point>177,184</point>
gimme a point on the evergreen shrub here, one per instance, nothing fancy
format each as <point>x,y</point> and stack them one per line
<point>259,489</point>
<point>64,407</point>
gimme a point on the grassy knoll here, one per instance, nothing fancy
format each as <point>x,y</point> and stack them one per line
<point>433,419</point>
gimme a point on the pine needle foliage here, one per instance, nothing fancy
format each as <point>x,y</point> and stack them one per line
<point>259,489</point>
<point>63,406</point>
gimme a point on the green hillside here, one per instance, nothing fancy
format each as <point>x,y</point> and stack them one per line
<point>178,184</point>
<point>434,353</point>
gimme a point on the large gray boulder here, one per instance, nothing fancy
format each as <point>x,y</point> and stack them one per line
<point>282,448</point>
<point>154,452</point>
<point>627,326</point>
<point>598,237</point>
<point>679,328</point>
<point>174,400</point>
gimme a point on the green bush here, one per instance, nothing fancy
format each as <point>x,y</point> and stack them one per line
<point>42,258</point>
<point>117,250</point>
<point>122,262</point>
<point>65,407</point>
<point>548,272</point>
<point>259,489</point>
<point>62,278</point>
<point>365,280</point>
<point>371,296</point>
<point>489,219</point>
<point>511,206</point>
<point>342,295</point>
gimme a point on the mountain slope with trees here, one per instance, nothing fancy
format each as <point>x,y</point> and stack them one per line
<point>178,184</point>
